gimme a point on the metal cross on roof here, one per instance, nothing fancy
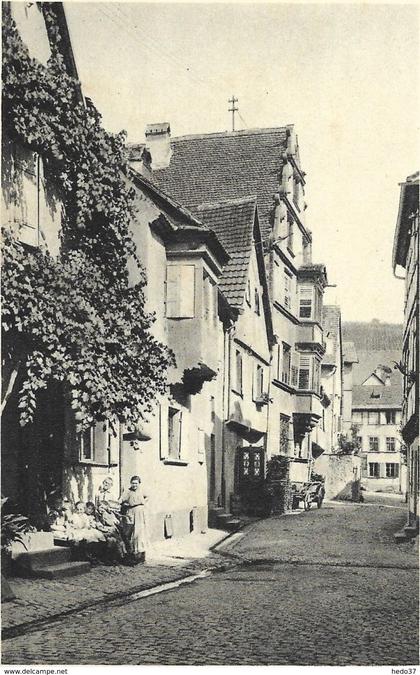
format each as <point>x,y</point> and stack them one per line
<point>233,109</point>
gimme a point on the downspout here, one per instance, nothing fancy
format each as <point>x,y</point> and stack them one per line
<point>225,407</point>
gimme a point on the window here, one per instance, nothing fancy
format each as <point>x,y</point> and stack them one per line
<point>257,301</point>
<point>390,417</point>
<point>304,372</point>
<point>294,372</point>
<point>374,417</point>
<point>373,470</point>
<point>284,434</point>
<point>290,234</point>
<point>180,291</point>
<point>357,417</point>
<point>287,290</point>
<point>238,371</point>
<point>258,381</point>
<point>373,444</point>
<point>359,441</point>
<point>392,470</point>
<point>315,374</point>
<point>390,444</point>
<point>209,304</point>
<point>248,292</point>
<point>305,302</point>
<point>95,444</point>
<point>285,363</point>
<point>174,433</point>
<point>201,445</point>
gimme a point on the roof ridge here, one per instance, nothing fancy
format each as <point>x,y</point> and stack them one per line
<point>226,202</point>
<point>231,134</point>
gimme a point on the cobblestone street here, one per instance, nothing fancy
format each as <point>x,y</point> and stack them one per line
<point>327,587</point>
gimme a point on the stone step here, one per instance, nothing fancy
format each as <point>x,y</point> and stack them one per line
<point>213,515</point>
<point>400,537</point>
<point>223,517</point>
<point>232,525</point>
<point>61,570</point>
<point>32,560</point>
<point>410,531</point>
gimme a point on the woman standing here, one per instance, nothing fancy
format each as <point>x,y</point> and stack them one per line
<point>133,503</point>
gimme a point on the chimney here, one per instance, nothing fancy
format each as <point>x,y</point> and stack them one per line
<point>158,143</point>
<point>140,159</point>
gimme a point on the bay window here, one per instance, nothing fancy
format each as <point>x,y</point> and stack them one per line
<point>309,372</point>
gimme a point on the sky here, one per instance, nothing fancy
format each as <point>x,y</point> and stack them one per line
<point>346,75</point>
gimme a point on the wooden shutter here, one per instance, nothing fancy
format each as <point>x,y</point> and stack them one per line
<point>172,291</point>
<point>201,446</point>
<point>29,219</point>
<point>100,443</point>
<point>187,291</point>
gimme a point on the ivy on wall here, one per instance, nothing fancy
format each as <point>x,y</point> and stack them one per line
<point>74,318</point>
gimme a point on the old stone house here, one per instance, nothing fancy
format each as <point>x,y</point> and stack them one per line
<point>405,261</point>
<point>246,314</point>
<point>265,163</point>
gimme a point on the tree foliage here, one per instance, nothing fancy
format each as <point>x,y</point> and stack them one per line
<point>75,318</point>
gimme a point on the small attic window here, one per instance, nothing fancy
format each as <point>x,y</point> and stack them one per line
<point>375,395</point>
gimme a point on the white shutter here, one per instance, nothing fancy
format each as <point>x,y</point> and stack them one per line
<point>201,446</point>
<point>100,443</point>
<point>187,291</point>
<point>172,291</point>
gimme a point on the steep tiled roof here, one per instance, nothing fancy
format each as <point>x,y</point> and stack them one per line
<point>233,223</point>
<point>366,397</point>
<point>373,335</point>
<point>331,320</point>
<point>214,167</point>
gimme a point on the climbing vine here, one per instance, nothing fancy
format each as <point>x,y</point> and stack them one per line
<point>73,318</point>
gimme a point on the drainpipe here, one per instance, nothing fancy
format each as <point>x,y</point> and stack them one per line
<point>225,401</point>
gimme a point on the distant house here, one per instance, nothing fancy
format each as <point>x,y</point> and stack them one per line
<point>376,416</point>
<point>405,259</point>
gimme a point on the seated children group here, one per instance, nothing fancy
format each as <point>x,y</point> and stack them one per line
<point>89,524</point>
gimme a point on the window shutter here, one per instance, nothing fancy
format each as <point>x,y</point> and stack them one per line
<point>100,443</point>
<point>187,291</point>
<point>179,418</point>
<point>163,434</point>
<point>172,291</point>
<point>180,291</point>
<point>294,371</point>
<point>201,447</point>
<point>29,220</point>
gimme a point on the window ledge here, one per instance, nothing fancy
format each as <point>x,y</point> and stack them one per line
<point>86,462</point>
<point>175,462</point>
<point>282,385</point>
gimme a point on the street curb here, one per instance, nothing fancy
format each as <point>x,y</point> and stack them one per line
<point>36,624</point>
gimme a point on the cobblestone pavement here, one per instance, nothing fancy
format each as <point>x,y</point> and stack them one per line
<point>327,587</point>
<point>41,599</point>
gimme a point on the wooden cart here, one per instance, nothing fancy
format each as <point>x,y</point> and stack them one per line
<point>308,493</point>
